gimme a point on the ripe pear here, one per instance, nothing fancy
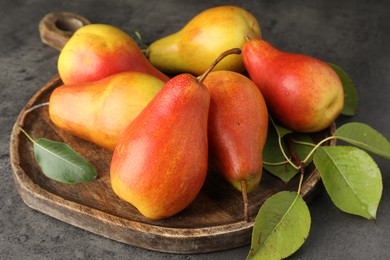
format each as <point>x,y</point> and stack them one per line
<point>99,111</point>
<point>97,51</point>
<point>160,162</point>
<point>302,93</point>
<point>237,130</point>
<point>212,31</point>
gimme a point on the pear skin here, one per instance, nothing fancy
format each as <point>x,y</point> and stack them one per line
<point>238,124</point>
<point>160,162</point>
<point>302,93</point>
<point>97,51</point>
<point>237,131</point>
<point>99,111</point>
<point>193,48</point>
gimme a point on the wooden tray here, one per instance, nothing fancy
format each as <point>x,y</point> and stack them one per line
<point>214,221</point>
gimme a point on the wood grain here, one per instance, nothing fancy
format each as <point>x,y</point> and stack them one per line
<point>56,28</point>
<point>213,222</point>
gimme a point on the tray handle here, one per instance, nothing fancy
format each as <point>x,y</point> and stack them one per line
<point>56,28</point>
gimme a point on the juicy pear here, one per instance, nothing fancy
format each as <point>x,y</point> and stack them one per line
<point>193,48</point>
<point>302,93</point>
<point>160,163</point>
<point>99,111</point>
<point>96,51</point>
<point>237,131</point>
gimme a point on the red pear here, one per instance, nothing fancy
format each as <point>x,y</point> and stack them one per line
<point>97,51</point>
<point>160,162</point>
<point>238,124</point>
<point>302,93</point>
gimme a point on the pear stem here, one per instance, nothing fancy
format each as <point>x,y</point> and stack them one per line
<point>245,199</point>
<point>21,121</point>
<point>217,60</point>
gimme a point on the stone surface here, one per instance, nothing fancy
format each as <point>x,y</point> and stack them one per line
<point>353,34</point>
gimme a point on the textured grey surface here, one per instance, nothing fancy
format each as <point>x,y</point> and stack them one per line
<point>353,34</point>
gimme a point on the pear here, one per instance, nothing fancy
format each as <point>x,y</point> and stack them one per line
<point>99,111</point>
<point>192,48</point>
<point>160,162</point>
<point>96,51</point>
<point>237,130</point>
<point>302,93</point>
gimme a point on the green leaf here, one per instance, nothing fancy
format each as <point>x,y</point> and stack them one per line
<point>60,162</point>
<point>350,92</point>
<point>140,41</point>
<point>351,178</point>
<point>281,227</point>
<point>365,137</point>
<point>303,145</point>
<point>272,155</point>
<point>281,131</point>
<point>273,159</point>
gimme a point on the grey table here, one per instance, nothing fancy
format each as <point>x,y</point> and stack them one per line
<point>353,34</point>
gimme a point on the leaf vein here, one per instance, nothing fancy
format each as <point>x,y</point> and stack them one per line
<point>348,183</point>
<point>61,158</point>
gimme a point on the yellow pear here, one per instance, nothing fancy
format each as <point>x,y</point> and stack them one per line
<point>99,111</point>
<point>193,48</point>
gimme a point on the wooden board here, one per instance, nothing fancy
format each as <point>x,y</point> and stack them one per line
<point>213,222</point>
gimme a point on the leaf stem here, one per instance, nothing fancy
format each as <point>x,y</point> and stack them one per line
<point>281,145</point>
<point>318,145</point>
<point>285,155</point>
<point>296,158</point>
<point>25,133</point>
<point>275,163</point>
<point>300,183</point>
<point>303,143</point>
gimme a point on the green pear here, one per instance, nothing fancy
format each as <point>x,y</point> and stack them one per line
<point>302,93</point>
<point>193,48</point>
<point>237,131</point>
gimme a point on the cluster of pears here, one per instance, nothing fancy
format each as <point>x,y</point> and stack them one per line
<point>165,132</point>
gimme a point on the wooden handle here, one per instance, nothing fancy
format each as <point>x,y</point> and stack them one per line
<point>56,28</point>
